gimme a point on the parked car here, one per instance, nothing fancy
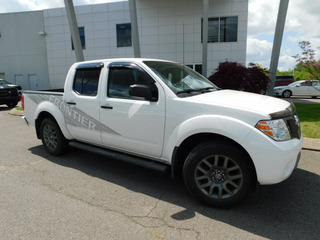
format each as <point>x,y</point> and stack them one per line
<point>283,80</point>
<point>9,96</point>
<point>299,88</point>
<point>6,83</point>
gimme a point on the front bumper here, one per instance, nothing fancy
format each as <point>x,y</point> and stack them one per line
<point>277,93</point>
<point>274,161</point>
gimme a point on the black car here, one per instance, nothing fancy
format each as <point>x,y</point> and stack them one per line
<point>6,83</point>
<point>9,94</point>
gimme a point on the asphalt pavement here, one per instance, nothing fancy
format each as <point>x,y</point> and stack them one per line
<point>84,196</point>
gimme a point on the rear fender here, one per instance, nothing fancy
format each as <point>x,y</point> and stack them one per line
<point>54,110</point>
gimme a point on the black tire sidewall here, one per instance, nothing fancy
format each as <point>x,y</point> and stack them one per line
<point>283,94</point>
<point>60,138</point>
<point>12,105</point>
<point>204,150</point>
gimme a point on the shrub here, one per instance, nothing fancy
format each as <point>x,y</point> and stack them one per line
<point>232,75</point>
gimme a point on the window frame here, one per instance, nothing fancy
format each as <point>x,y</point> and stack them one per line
<point>83,69</point>
<point>82,38</point>
<point>219,28</point>
<point>132,67</point>
<point>122,39</point>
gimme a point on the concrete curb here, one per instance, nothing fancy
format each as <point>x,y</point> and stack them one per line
<point>311,144</point>
<point>16,112</point>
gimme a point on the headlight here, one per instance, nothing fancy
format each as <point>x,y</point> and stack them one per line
<point>276,129</point>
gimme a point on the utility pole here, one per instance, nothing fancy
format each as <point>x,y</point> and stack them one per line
<point>74,30</point>
<point>205,38</point>
<point>282,13</point>
<point>134,28</point>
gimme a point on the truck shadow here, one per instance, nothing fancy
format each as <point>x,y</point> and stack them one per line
<point>289,210</point>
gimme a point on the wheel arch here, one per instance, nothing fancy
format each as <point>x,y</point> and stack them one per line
<point>180,153</point>
<point>45,114</point>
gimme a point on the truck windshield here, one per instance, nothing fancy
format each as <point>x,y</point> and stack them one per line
<point>182,80</point>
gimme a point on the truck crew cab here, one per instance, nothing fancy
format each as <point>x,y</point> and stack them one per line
<point>164,116</point>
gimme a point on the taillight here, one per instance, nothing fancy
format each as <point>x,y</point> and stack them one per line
<point>22,101</point>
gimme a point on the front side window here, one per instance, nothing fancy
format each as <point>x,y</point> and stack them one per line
<point>121,78</point>
<point>182,80</point>
<point>86,81</point>
<point>124,35</point>
<point>221,29</point>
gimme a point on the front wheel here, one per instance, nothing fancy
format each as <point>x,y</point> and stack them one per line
<point>218,174</point>
<point>286,94</point>
<point>52,138</point>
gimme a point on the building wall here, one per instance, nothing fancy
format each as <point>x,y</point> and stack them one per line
<point>23,54</point>
<point>167,29</point>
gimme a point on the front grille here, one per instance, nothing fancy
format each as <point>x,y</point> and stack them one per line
<point>294,126</point>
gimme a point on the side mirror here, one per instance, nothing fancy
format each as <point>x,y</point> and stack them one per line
<point>143,91</point>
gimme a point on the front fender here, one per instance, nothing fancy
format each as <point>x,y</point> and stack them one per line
<point>231,128</point>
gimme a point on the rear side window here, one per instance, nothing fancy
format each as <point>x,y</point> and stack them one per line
<point>86,81</point>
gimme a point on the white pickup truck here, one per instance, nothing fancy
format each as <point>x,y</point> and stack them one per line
<point>163,115</point>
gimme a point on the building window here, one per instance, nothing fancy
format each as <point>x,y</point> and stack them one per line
<point>196,67</point>
<point>221,29</point>
<point>124,35</point>
<point>82,38</point>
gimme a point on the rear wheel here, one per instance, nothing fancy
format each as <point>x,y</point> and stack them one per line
<point>218,174</point>
<point>314,97</point>
<point>286,94</point>
<point>12,104</point>
<point>52,138</point>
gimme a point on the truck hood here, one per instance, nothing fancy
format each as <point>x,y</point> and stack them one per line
<point>249,102</point>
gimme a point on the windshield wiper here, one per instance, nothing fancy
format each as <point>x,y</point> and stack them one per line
<point>201,90</point>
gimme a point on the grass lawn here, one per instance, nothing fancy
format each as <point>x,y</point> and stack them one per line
<point>309,115</point>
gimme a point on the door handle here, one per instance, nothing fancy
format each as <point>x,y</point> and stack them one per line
<point>106,107</point>
<point>71,103</point>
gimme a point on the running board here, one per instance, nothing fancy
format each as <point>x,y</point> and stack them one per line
<point>121,156</point>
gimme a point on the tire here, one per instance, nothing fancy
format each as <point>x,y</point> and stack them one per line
<point>218,174</point>
<point>12,104</point>
<point>52,138</point>
<point>314,97</point>
<point>286,94</point>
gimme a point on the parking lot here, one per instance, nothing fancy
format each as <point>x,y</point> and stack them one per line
<point>85,196</point>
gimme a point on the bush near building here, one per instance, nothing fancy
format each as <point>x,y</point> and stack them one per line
<point>232,75</point>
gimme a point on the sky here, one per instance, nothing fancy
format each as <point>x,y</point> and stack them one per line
<point>302,24</point>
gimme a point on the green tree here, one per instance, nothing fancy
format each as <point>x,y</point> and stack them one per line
<point>307,61</point>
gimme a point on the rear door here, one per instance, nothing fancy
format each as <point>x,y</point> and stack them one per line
<point>81,106</point>
<point>135,125</point>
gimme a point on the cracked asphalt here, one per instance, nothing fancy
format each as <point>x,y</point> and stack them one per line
<point>85,196</point>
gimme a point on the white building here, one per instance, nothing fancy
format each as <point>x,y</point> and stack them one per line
<point>36,49</point>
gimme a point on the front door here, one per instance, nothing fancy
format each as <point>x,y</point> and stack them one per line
<point>136,125</point>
